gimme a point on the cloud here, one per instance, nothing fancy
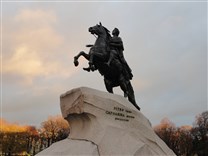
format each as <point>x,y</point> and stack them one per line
<point>34,46</point>
<point>24,62</point>
<point>41,16</point>
<point>165,45</point>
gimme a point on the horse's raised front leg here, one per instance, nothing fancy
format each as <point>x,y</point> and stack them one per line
<point>91,63</point>
<point>82,53</point>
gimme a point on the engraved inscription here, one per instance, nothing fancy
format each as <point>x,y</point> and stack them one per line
<point>121,119</point>
<point>129,116</point>
<point>121,114</point>
<point>128,111</point>
<point>118,109</point>
<point>114,113</point>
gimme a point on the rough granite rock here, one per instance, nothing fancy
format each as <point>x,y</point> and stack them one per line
<point>105,124</point>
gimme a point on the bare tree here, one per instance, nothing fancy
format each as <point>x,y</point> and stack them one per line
<point>185,140</point>
<point>167,131</point>
<point>200,134</point>
<point>55,129</point>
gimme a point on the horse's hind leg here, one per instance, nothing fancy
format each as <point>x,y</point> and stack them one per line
<point>123,86</point>
<point>108,86</point>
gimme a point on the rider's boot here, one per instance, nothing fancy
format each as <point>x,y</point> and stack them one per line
<point>112,55</point>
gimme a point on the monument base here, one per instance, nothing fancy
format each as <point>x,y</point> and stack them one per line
<point>68,147</point>
<point>105,124</point>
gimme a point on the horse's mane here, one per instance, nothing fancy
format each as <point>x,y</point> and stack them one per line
<point>108,38</point>
<point>108,33</point>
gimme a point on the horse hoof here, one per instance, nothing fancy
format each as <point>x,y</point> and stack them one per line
<point>76,63</point>
<point>87,69</point>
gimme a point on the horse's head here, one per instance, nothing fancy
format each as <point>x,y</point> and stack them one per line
<point>98,30</point>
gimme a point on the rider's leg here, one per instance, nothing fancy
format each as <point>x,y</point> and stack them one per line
<point>113,54</point>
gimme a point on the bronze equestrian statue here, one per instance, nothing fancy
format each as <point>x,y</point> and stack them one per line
<point>106,56</point>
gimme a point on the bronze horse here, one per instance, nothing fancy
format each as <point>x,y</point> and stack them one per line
<point>99,55</point>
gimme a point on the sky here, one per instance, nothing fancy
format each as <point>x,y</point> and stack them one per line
<point>165,45</point>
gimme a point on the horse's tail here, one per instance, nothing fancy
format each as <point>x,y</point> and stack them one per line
<point>130,89</point>
<point>131,96</point>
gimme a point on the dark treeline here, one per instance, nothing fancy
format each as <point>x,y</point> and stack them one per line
<point>27,140</point>
<point>186,140</point>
